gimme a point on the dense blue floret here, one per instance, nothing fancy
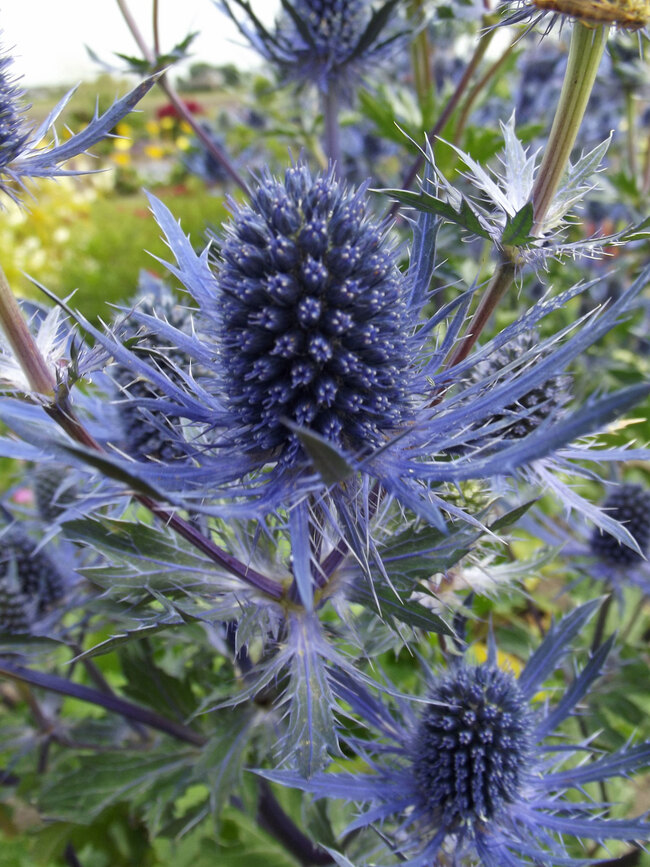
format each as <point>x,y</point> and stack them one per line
<point>544,402</point>
<point>37,574</point>
<point>630,505</point>
<point>313,323</point>
<point>12,131</point>
<point>473,744</point>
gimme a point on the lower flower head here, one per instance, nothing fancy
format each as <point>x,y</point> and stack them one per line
<point>536,406</point>
<point>473,745</point>
<point>313,326</point>
<point>36,574</point>
<point>630,505</point>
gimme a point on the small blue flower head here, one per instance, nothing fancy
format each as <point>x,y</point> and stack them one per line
<point>473,778</point>
<point>473,745</point>
<point>629,505</point>
<point>327,42</point>
<point>30,580</point>
<point>312,320</point>
<point>544,403</point>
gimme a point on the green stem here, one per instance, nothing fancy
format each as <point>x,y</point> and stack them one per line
<point>585,52</point>
<point>420,52</point>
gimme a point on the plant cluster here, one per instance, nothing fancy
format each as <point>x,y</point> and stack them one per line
<point>311,549</point>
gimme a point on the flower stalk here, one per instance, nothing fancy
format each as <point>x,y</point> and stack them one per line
<point>585,52</point>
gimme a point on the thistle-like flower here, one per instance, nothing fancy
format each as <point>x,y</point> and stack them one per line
<point>326,42</point>
<point>541,405</point>
<point>470,778</point>
<point>313,324</point>
<point>630,505</point>
<point>319,369</point>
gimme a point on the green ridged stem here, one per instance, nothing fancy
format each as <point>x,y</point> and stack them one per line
<point>585,52</point>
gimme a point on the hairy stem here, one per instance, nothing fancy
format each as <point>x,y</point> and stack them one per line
<point>39,376</point>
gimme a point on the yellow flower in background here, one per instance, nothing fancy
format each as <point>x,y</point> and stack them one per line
<point>167,123</point>
<point>122,144</point>
<point>124,129</point>
<point>154,151</point>
<point>506,661</point>
<point>185,127</point>
<point>122,159</point>
<point>152,127</point>
<point>183,143</point>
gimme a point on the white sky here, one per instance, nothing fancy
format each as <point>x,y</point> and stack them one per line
<point>48,37</point>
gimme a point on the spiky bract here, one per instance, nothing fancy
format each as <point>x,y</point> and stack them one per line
<point>12,131</point>
<point>630,505</point>
<point>313,318</point>
<point>147,433</point>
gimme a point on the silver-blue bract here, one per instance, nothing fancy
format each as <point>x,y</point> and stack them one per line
<point>472,777</point>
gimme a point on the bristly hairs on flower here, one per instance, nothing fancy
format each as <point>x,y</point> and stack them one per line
<point>23,156</point>
<point>631,15</point>
<point>469,777</point>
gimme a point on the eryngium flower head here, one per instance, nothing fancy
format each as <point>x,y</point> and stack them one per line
<point>146,432</point>
<point>17,609</point>
<point>472,778</point>
<point>327,42</point>
<point>36,572</point>
<point>630,505</point>
<point>473,745</point>
<point>312,321</point>
<point>540,404</point>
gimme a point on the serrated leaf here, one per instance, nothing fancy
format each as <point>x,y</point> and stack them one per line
<point>391,607</point>
<point>464,217</point>
<point>511,517</point>
<point>105,779</point>
<point>516,232</point>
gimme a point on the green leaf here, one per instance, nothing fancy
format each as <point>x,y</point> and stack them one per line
<point>392,607</point>
<point>329,463</point>
<point>102,780</point>
<point>517,229</point>
<point>465,217</point>
<point>512,516</point>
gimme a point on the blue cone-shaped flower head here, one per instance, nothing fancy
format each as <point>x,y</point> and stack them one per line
<point>146,433</point>
<point>36,573</point>
<point>630,505</point>
<point>473,775</point>
<point>540,404</point>
<point>313,326</point>
<point>473,745</point>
